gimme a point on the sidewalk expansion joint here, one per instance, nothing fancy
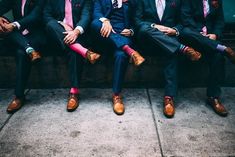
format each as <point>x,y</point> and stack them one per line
<point>9,117</point>
<point>155,121</point>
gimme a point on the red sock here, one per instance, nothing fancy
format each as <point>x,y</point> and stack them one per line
<point>74,90</point>
<point>128,49</point>
<point>79,49</point>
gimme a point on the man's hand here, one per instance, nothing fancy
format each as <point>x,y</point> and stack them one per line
<point>126,32</point>
<point>212,36</point>
<point>106,29</point>
<point>8,27</point>
<point>71,36</point>
<point>170,31</point>
<point>167,30</point>
<point>66,27</point>
<point>3,21</point>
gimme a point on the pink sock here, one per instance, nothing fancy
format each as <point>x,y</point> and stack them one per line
<point>128,49</point>
<point>74,90</point>
<point>79,49</point>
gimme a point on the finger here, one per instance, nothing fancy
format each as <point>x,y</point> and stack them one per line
<point>108,33</point>
<point>5,21</point>
<point>113,31</point>
<point>65,32</point>
<point>105,32</point>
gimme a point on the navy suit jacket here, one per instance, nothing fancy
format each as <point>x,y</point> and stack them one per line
<point>103,8</point>
<point>146,14</point>
<point>81,9</point>
<point>32,12</point>
<point>193,16</point>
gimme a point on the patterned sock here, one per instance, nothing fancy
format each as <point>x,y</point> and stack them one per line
<point>221,48</point>
<point>74,90</point>
<point>128,49</point>
<point>29,50</point>
<point>78,48</point>
<point>183,48</point>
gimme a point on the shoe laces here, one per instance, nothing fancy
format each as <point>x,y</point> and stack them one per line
<point>117,99</point>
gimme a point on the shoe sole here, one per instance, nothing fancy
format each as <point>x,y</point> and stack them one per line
<point>71,110</point>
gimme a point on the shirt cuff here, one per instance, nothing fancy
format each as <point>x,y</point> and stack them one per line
<point>132,32</point>
<point>17,25</point>
<point>102,19</point>
<point>81,30</point>
<point>177,31</point>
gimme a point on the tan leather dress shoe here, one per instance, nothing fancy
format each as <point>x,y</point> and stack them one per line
<point>192,54</point>
<point>137,58</point>
<point>73,103</point>
<point>169,109</point>
<point>92,56</point>
<point>15,105</point>
<point>230,54</point>
<point>35,56</point>
<point>217,106</point>
<point>118,106</point>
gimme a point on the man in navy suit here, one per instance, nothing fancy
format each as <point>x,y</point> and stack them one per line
<point>25,35</point>
<point>112,25</point>
<point>158,23</point>
<point>66,22</point>
<point>203,22</point>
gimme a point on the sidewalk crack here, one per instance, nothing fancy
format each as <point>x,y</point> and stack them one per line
<point>155,121</point>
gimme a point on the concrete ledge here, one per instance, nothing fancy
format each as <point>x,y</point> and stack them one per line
<point>52,71</point>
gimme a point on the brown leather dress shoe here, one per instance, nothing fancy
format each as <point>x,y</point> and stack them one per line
<point>73,102</point>
<point>15,105</point>
<point>35,56</point>
<point>118,106</point>
<point>92,56</point>
<point>217,106</point>
<point>192,54</point>
<point>137,58</point>
<point>230,54</point>
<point>169,109</point>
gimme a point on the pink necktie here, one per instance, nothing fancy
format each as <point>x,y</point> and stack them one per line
<point>160,9</point>
<point>68,19</point>
<point>22,7</point>
<point>205,11</point>
<point>25,32</point>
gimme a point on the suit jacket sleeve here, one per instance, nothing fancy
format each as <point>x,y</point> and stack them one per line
<point>219,22</point>
<point>179,25</point>
<point>33,17</point>
<point>5,6</point>
<point>97,13</point>
<point>139,19</point>
<point>85,15</point>
<point>186,14</point>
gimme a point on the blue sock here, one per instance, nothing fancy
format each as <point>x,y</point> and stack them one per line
<point>221,48</point>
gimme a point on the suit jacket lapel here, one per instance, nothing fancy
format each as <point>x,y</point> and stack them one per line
<point>166,9</point>
<point>26,7</point>
<point>154,9</point>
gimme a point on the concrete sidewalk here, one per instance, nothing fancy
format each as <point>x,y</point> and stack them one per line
<point>44,128</point>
